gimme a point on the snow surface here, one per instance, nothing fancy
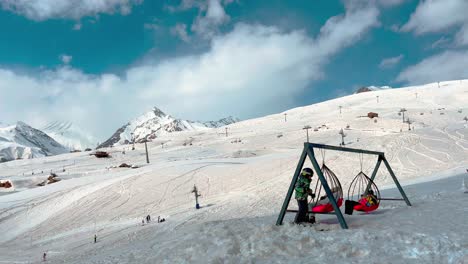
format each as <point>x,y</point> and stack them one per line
<point>243,179</point>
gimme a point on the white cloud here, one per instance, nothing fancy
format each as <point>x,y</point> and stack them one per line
<point>66,59</point>
<point>253,70</point>
<point>77,26</point>
<point>462,36</point>
<point>180,30</point>
<point>151,26</point>
<point>211,15</point>
<point>395,28</point>
<point>390,62</point>
<point>390,3</point>
<point>69,9</point>
<point>340,31</point>
<point>185,5</point>
<point>440,43</point>
<point>448,65</point>
<point>154,24</point>
<point>439,15</point>
<point>207,23</point>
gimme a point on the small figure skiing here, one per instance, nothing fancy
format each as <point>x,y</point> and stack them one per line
<point>44,256</point>
<point>148,219</point>
<point>95,238</point>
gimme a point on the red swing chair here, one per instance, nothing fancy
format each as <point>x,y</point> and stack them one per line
<point>321,203</point>
<point>369,199</point>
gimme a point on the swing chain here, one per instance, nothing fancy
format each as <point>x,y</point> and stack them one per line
<point>322,151</point>
<point>361,159</point>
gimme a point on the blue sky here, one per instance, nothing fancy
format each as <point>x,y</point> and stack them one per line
<point>102,63</point>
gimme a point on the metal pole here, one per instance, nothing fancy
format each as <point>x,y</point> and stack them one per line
<point>195,191</point>
<point>353,150</point>
<point>331,198</point>
<point>287,199</point>
<point>396,181</point>
<point>146,149</point>
<point>285,117</point>
<point>374,173</point>
<point>307,131</point>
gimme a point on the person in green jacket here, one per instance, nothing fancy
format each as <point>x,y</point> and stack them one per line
<point>302,189</point>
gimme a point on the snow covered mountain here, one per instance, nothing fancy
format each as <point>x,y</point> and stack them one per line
<point>69,135</point>
<point>21,141</point>
<point>222,122</point>
<point>156,123</point>
<point>372,88</point>
<point>244,177</point>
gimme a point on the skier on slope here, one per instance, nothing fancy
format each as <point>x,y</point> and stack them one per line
<point>302,189</point>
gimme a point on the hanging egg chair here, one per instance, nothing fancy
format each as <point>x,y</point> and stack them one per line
<point>367,199</point>
<point>321,203</point>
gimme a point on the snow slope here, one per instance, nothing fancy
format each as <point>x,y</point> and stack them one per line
<point>155,123</point>
<point>243,179</point>
<point>21,141</point>
<point>69,135</point>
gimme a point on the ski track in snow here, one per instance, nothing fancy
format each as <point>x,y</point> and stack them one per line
<point>243,186</point>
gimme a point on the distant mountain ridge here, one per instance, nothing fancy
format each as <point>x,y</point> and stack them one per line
<point>371,88</point>
<point>21,141</point>
<point>69,135</point>
<point>155,123</point>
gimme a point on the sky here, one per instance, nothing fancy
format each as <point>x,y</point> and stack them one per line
<point>101,63</point>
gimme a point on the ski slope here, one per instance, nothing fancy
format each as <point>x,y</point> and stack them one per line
<point>243,179</point>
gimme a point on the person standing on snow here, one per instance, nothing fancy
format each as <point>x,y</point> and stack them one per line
<point>302,189</point>
<point>148,219</point>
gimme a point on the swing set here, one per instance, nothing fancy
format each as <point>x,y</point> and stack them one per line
<point>328,190</point>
